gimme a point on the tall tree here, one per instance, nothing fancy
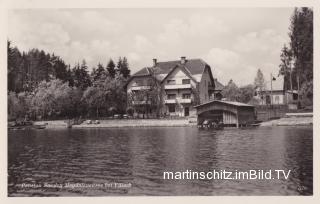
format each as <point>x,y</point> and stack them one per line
<point>125,71</point>
<point>300,53</point>
<point>119,65</point>
<point>285,68</point>
<point>81,76</point>
<point>246,93</point>
<point>123,67</point>
<point>14,62</point>
<point>111,68</point>
<point>98,73</point>
<point>259,81</point>
<point>231,91</point>
<point>26,70</point>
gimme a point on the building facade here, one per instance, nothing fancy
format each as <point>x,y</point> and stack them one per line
<point>275,94</point>
<point>171,88</point>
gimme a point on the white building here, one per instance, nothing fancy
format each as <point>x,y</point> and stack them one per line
<point>275,94</point>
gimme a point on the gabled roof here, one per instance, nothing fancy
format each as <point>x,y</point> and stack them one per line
<point>183,68</point>
<point>142,72</point>
<point>195,67</point>
<point>233,103</point>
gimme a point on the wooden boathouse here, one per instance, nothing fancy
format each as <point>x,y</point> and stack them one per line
<point>231,113</point>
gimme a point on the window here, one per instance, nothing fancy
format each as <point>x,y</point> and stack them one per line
<point>277,99</point>
<point>150,82</point>
<point>171,96</point>
<point>185,81</point>
<point>172,108</point>
<point>268,99</point>
<point>139,82</point>
<point>171,81</point>
<point>186,96</point>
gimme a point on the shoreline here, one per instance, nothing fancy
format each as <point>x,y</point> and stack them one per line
<point>119,123</point>
<point>289,121</point>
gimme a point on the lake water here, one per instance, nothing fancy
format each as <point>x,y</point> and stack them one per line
<point>131,161</point>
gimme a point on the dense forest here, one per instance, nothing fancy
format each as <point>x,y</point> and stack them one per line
<point>43,86</point>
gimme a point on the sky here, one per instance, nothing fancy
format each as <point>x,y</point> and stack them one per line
<point>235,42</point>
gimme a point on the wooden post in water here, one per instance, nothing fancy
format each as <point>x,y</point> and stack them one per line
<point>237,118</point>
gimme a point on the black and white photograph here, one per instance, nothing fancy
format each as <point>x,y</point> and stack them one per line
<point>160,101</point>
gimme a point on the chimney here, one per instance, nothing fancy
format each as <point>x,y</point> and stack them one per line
<point>154,62</point>
<point>183,60</point>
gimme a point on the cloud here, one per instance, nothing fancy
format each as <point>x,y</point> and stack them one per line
<point>197,25</point>
<point>48,36</point>
<point>73,36</point>
<point>142,44</point>
<point>99,34</point>
<point>227,64</point>
<point>93,52</point>
<point>266,40</point>
<point>222,61</point>
<point>205,25</point>
<point>94,23</point>
<point>134,57</point>
<point>222,58</point>
<point>173,32</point>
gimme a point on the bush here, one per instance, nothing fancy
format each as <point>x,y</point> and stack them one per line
<point>130,111</point>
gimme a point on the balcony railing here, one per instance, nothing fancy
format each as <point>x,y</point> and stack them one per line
<point>184,100</point>
<point>177,86</point>
<point>138,88</point>
<point>170,101</point>
<point>177,100</point>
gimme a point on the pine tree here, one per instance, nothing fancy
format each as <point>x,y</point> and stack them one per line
<point>96,74</point>
<point>124,70</point>
<point>81,76</point>
<point>119,66</point>
<point>111,68</point>
<point>69,77</point>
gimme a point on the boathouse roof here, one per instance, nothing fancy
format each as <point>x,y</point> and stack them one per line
<point>233,103</point>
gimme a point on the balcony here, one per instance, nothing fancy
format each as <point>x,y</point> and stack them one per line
<point>170,101</point>
<point>184,100</point>
<point>177,86</point>
<point>177,100</point>
<point>141,102</point>
<point>140,88</point>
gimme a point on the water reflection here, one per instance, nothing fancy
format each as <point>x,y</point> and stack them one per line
<point>141,155</point>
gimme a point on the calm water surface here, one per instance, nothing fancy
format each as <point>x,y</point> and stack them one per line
<point>139,156</point>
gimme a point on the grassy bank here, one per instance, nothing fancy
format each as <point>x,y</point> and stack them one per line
<point>289,121</point>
